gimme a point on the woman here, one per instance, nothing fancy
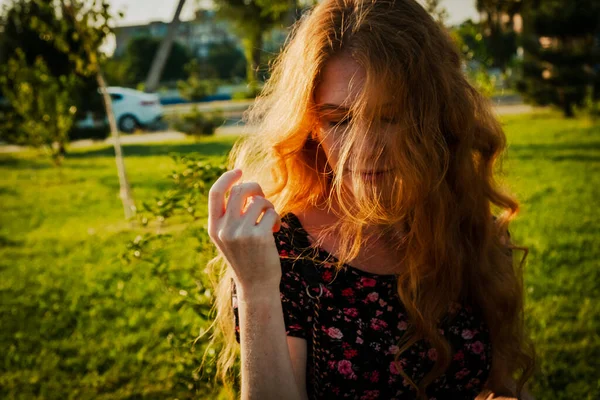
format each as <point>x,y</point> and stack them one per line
<point>366,255</point>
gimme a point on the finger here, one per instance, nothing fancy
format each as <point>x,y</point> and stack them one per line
<point>270,221</point>
<point>256,207</point>
<point>239,194</point>
<point>216,195</point>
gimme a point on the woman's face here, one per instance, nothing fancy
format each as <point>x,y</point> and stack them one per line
<point>342,80</point>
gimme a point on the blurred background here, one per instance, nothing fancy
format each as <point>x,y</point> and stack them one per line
<point>116,116</point>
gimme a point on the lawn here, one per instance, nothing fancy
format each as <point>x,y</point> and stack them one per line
<point>78,322</point>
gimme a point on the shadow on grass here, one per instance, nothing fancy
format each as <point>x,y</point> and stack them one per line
<point>579,152</point>
<point>9,161</point>
<point>161,149</point>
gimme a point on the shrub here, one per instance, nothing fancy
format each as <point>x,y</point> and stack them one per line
<point>196,123</point>
<point>96,133</point>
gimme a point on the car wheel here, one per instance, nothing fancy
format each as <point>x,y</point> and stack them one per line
<point>128,123</point>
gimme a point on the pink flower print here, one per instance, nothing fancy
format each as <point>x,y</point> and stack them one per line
<point>467,334</point>
<point>462,373</point>
<point>377,324</point>
<point>348,292</point>
<point>458,356</point>
<point>477,347</point>
<point>370,395</point>
<point>402,325</point>
<point>395,367</point>
<point>432,354</point>
<point>378,313</point>
<point>374,376</point>
<point>331,364</point>
<point>351,312</point>
<point>367,282</point>
<point>283,253</point>
<point>390,308</point>
<point>373,296</point>
<point>382,303</point>
<point>359,340</point>
<point>393,349</point>
<point>350,353</point>
<point>335,333</point>
<point>472,382</point>
<point>345,368</point>
<point>327,275</point>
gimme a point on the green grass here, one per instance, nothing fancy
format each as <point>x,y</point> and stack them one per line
<point>79,323</point>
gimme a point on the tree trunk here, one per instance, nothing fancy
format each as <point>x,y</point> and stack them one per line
<point>252,51</point>
<point>125,190</point>
<point>568,109</point>
<point>160,59</point>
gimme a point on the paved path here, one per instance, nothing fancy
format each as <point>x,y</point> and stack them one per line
<point>233,127</point>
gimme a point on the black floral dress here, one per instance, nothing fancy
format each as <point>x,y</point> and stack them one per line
<point>359,325</point>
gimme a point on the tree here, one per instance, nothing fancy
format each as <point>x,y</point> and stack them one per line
<point>439,13</point>
<point>251,19</point>
<point>497,29</point>
<point>161,56</point>
<point>36,28</point>
<point>141,48</point>
<point>561,57</point>
<point>224,61</point>
<point>91,22</point>
<point>41,101</point>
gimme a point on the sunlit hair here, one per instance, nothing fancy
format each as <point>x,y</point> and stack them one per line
<point>420,117</point>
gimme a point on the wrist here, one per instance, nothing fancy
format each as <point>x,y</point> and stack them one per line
<point>257,293</point>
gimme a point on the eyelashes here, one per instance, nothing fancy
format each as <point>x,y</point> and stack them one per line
<point>342,122</point>
<point>346,121</point>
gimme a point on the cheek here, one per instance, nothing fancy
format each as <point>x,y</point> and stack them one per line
<point>330,147</point>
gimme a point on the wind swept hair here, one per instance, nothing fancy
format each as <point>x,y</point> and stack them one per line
<point>416,115</point>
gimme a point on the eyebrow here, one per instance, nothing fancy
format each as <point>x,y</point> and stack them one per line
<point>338,107</point>
<point>332,107</point>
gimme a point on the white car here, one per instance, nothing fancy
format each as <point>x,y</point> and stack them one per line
<point>133,108</point>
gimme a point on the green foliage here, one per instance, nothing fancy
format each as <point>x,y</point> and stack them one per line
<point>553,166</point>
<point>61,38</point>
<point>80,318</point>
<point>224,61</point>
<point>560,52</point>
<point>195,122</point>
<point>497,29</point>
<point>191,181</point>
<point>249,93</point>
<point>469,39</point>
<point>439,13</point>
<point>252,19</point>
<point>94,133</point>
<point>139,54</point>
<point>483,81</point>
<point>42,103</point>
<point>195,87</point>
<point>83,316</point>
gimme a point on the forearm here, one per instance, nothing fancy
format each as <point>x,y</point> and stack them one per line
<point>267,371</point>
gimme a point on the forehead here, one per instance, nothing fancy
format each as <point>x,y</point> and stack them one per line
<point>341,81</point>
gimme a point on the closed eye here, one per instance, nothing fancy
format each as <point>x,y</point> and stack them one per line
<point>341,122</point>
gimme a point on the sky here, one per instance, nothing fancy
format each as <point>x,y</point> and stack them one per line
<point>142,11</point>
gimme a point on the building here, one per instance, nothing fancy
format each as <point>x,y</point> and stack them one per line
<point>196,35</point>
